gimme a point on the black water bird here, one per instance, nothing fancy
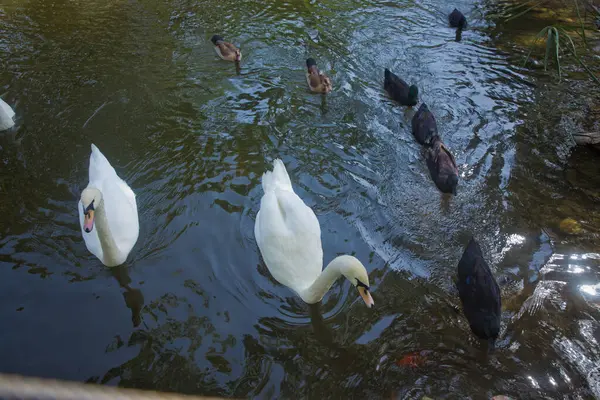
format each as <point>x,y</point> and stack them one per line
<point>457,19</point>
<point>424,127</point>
<point>442,166</point>
<point>400,90</point>
<point>479,294</point>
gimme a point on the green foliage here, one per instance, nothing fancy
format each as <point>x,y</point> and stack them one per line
<point>553,35</point>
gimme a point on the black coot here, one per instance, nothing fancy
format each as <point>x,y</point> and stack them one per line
<point>457,19</point>
<point>424,127</point>
<point>399,90</point>
<point>479,294</point>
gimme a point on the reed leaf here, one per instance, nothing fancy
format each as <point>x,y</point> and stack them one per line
<point>548,48</point>
<point>537,39</point>
<point>524,11</point>
<point>581,21</point>
<point>556,47</point>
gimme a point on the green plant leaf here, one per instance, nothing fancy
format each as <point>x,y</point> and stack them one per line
<point>524,11</point>
<point>556,47</point>
<point>508,11</point>
<point>548,48</point>
<point>589,71</point>
<point>581,21</point>
<point>566,34</point>
<point>537,39</point>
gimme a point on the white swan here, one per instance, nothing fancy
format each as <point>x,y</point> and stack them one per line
<point>108,205</point>
<point>6,116</point>
<point>289,238</point>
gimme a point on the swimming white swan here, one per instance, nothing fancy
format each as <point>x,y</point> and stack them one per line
<point>289,239</point>
<point>6,116</point>
<point>108,205</point>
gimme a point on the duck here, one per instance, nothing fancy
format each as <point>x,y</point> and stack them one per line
<point>424,127</point>
<point>442,166</point>
<point>479,294</point>
<point>399,90</point>
<point>108,213</point>
<point>457,19</point>
<point>317,81</point>
<point>227,51</point>
<point>6,116</point>
<point>288,235</point>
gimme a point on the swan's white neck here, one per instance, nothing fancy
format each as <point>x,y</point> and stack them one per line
<point>110,250</point>
<point>315,292</point>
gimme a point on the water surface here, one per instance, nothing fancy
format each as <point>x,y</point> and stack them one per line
<point>195,309</point>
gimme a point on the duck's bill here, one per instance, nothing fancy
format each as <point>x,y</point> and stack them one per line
<point>88,221</point>
<point>366,296</point>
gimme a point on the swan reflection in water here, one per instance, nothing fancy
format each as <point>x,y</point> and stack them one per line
<point>134,299</point>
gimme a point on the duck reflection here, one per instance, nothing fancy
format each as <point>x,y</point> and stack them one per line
<point>134,299</point>
<point>445,202</point>
<point>458,36</point>
<point>324,107</point>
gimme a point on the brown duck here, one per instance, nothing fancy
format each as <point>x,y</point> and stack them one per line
<point>317,81</point>
<point>442,166</point>
<point>226,50</point>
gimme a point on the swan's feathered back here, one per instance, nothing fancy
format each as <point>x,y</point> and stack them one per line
<point>100,168</point>
<point>6,116</point>
<point>277,179</point>
<point>119,205</point>
<point>288,232</point>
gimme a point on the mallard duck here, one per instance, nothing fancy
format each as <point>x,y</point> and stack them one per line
<point>479,294</point>
<point>457,19</point>
<point>442,166</point>
<point>226,50</point>
<point>317,81</point>
<point>288,235</point>
<point>424,127</point>
<point>399,90</point>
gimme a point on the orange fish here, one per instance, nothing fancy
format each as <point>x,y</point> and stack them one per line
<point>412,360</point>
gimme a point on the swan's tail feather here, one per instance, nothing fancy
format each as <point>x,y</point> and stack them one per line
<point>7,109</point>
<point>97,156</point>
<point>277,179</point>
<point>99,164</point>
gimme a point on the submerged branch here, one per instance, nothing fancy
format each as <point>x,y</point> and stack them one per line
<point>587,138</point>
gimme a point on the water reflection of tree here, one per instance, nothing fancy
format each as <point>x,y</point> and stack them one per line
<point>156,367</point>
<point>328,355</point>
<point>160,364</point>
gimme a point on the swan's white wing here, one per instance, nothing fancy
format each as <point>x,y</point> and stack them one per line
<point>119,202</point>
<point>92,242</point>
<point>289,238</point>
<point>6,116</point>
<point>121,211</point>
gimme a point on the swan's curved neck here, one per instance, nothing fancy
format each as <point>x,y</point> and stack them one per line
<point>315,292</point>
<point>110,250</point>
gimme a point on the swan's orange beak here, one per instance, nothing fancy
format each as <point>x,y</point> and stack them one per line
<point>366,296</point>
<point>88,222</point>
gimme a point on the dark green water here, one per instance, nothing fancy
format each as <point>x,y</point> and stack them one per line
<point>194,309</point>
